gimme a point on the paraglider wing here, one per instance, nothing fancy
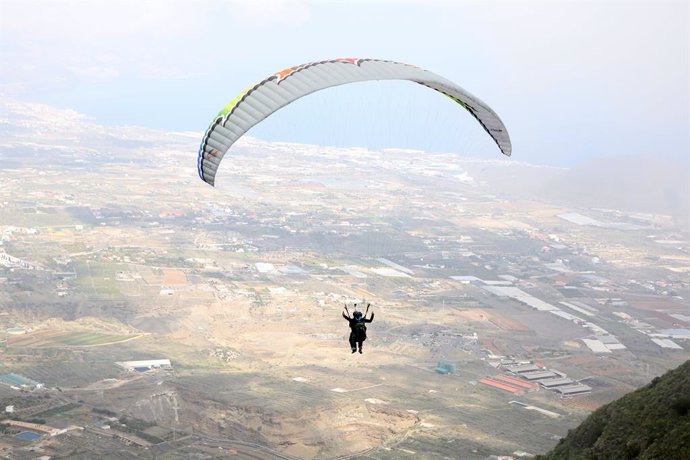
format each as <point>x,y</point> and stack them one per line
<point>261,100</point>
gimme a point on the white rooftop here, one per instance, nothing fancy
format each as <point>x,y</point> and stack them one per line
<point>145,363</point>
<point>667,343</point>
<point>597,346</point>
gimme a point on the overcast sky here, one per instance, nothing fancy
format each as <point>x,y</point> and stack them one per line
<point>570,79</point>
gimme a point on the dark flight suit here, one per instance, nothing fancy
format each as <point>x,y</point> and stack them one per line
<point>356,337</point>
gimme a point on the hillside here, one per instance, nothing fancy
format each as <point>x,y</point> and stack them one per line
<point>650,423</point>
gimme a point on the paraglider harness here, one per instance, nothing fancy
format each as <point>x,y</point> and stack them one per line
<point>359,329</point>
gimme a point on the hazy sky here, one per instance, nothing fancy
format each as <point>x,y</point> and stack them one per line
<point>570,79</point>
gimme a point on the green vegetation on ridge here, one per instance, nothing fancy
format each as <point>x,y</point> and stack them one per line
<point>650,423</point>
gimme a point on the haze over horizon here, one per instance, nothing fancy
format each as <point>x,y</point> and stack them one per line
<point>571,81</point>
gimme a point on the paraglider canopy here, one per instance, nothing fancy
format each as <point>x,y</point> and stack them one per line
<point>280,89</point>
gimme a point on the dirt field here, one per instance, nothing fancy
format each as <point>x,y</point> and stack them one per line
<point>490,320</point>
<point>172,277</point>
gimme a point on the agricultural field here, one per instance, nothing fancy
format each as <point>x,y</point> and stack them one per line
<point>98,280</point>
<point>52,339</point>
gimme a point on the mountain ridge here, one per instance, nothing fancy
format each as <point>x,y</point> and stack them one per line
<point>652,422</point>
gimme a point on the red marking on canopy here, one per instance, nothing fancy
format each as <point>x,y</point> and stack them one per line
<point>283,74</point>
<point>354,61</point>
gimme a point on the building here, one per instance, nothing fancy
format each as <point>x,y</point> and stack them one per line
<point>570,390</point>
<point>520,368</point>
<point>145,365</point>
<point>536,375</point>
<point>500,385</point>
<point>444,367</point>
<point>17,381</point>
<point>667,343</point>
<point>596,345</point>
<point>517,382</point>
<point>675,334</point>
<point>555,382</point>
